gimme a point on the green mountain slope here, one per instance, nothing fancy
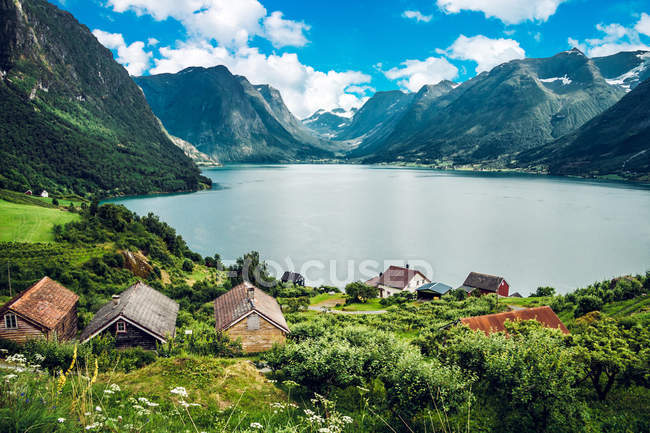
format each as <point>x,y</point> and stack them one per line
<point>226,117</point>
<point>71,119</point>
<point>617,142</point>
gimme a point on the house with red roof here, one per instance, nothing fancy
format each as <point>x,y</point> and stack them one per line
<point>397,279</point>
<point>44,310</point>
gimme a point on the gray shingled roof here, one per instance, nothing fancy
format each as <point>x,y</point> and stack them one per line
<point>236,303</point>
<point>482,281</point>
<point>142,305</point>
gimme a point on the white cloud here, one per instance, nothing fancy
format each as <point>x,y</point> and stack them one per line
<point>303,88</point>
<point>416,73</point>
<point>152,42</point>
<point>643,26</point>
<point>508,11</point>
<point>229,23</point>
<point>486,52</point>
<point>417,16</point>
<point>133,57</point>
<point>615,38</point>
<point>283,32</point>
<point>219,34</point>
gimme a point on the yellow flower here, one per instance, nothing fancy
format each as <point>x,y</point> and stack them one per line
<point>95,373</point>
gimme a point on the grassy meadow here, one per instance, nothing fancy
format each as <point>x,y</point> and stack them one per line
<point>27,223</point>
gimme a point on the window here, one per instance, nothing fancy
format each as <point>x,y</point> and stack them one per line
<point>121,327</point>
<point>10,321</point>
<point>253,322</point>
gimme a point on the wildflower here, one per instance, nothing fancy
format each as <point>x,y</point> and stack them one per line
<point>61,420</point>
<point>257,425</point>
<point>119,418</point>
<point>180,391</point>
<point>115,387</point>
<point>108,391</point>
<point>323,430</point>
<point>98,409</point>
<point>39,358</point>
<point>346,419</point>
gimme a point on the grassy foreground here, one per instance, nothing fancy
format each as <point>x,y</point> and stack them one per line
<point>25,223</point>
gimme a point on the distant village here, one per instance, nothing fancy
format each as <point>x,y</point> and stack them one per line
<point>142,317</point>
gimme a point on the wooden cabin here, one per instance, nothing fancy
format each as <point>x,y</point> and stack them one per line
<point>485,284</point>
<point>491,323</point>
<point>252,316</point>
<point>293,277</point>
<point>397,279</point>
<point>44,310</point>
<point>138,317</point>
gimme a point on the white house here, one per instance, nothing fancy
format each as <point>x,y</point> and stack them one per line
<point>45,194</point>
<point>397,279</point>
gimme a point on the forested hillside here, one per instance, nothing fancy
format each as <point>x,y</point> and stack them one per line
<point>71,119</point>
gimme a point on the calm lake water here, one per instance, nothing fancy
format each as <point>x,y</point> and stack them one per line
<point>337,223</point>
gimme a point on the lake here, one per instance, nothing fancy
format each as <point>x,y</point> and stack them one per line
<point>338,223</point>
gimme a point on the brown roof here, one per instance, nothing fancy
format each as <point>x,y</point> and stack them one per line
<point>495,322</point>
<point>44,303</point>
<point>483,281</point>
<point>398,277</point>
<point>235,304</point>
<point>144,306</point>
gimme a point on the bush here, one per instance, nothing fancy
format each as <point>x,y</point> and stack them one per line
<point>55,202</point>
<point>188,265</point>
<point>359,292</point>
<point>587,304</point>
<point>543,291</point>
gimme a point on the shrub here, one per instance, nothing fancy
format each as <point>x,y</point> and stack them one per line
<point>188,265</point>
<point>359,292</point>
<point>587,304</point>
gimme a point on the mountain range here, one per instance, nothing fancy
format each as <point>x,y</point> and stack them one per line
<point>73,121</point>
<point>71,118</point>
<point>226,117</point>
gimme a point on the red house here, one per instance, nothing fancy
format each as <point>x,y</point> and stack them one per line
<point>485,284</point>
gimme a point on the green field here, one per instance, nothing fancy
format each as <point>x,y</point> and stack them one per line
<point>25,223</point>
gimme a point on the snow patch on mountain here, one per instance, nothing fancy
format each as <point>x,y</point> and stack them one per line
<point>565,80</point>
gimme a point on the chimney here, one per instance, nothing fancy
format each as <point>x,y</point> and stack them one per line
<point>381,274</point>
<point>116,300</point>
<point>407,266</point>
<point>251,293</point>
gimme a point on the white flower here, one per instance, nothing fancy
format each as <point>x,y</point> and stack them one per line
<point>115,387</point>
<point>180,391</point>
<point>323,430</point>
<point>257,425</point>
<point>98,409</point>
<point>346,419</point>
<point>61,420</point>
<point>108,391</point>
<point>10,376</point>
<point>39,358</point>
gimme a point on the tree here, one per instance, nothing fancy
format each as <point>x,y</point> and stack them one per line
<point>603,351</point>
<point>55,201</point>
<point>359,292</point>
<point>587,304</point>
<point>188,266</point>
<point>250,268</point>
<point>543,291</point>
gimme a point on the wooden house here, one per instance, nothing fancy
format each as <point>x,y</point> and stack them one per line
<point>485,284</point>
<point>491,323</point>
<point>432,290</point>
<point>293,277</point>
<point>46,309</point>
<point>397,279</point>
<point>28,192</point>
<point>138,317</point>
<point>252,316</point>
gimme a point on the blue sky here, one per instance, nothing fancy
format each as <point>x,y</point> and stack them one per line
<point>325,54</point>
